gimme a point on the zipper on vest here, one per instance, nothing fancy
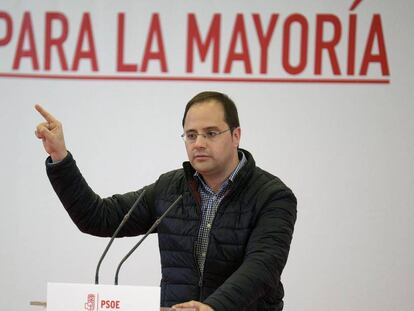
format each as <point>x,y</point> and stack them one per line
<point>200,280</point>
<point>200,287</point>
<point>200,276</point>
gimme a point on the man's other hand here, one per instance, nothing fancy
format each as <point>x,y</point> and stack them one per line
<point>193,304</point>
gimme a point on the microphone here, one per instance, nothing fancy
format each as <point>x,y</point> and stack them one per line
<point>155,225</point>
<point>124,220</point>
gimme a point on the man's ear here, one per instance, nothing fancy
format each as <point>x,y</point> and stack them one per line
<point>236,136</point>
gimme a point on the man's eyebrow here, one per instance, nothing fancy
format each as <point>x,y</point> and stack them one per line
<point>190,130</point>
<point>208,128</point>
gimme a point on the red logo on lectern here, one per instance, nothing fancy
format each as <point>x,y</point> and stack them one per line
<point>90,304</point>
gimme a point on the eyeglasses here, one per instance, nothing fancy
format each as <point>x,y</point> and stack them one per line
<point>191,137</point>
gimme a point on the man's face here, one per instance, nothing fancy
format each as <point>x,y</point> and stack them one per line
<point>211,157</point>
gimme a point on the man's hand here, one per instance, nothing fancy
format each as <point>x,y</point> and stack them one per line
<point>51,134</point>
<point>193,304</point>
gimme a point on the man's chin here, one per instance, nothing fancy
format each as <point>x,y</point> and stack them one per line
<point>201,167</point>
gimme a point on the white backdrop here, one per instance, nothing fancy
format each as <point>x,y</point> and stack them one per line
<point>345,149</point>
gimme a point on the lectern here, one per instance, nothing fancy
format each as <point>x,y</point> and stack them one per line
<point>91,297</point>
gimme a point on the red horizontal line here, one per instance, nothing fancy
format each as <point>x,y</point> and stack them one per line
<point>194,79</point>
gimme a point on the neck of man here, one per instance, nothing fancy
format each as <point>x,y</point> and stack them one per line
<point>215,181</point>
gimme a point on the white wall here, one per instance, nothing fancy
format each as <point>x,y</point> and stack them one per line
<point>346,150</point>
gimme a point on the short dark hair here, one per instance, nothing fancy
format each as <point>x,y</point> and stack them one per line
<point>231,117</point>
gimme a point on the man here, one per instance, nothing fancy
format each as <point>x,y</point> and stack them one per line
<point>225,245</point>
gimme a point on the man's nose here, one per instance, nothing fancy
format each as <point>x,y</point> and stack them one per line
<point>200,140</point>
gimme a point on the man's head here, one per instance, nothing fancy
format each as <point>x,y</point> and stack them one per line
<point>211,118</point>
<point>230,111</point>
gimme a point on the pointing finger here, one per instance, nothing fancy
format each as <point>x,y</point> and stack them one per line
<point>48,117</point>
